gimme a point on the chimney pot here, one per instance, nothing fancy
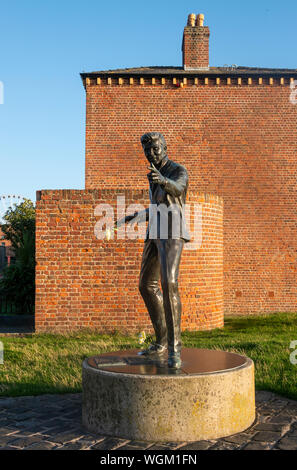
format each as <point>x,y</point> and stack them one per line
<point>200,19</point>
<point>191,19</point>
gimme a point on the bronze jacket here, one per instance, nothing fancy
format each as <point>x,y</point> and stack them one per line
<point>166,211</point>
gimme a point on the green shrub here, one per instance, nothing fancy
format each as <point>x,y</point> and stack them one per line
<point>18,282</point>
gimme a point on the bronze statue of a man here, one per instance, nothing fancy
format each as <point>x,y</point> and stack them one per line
<point>168,183</point>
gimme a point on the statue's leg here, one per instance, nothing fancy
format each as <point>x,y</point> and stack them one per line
<point>150,290</point>
<point>170,254</point>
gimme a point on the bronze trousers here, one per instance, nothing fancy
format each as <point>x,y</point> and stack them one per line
<point>160,260</point>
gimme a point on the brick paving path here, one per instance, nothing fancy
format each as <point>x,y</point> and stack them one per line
<point>54,422</point>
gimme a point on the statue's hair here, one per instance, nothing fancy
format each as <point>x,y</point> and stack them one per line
<point>150,136</point>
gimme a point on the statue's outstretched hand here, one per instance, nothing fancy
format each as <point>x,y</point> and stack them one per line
<point>117,224</point>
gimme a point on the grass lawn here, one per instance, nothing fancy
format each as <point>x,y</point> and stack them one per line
<point>47,363</point>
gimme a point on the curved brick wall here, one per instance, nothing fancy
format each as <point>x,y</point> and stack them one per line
<point>82,281</point>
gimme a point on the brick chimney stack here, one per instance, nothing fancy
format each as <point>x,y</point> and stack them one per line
<point>195,45</point>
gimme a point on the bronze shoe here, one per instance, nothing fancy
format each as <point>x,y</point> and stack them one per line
<point>174,361</point>
<point>153,350</point>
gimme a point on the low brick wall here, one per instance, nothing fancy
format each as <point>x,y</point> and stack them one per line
<point>83,281</point>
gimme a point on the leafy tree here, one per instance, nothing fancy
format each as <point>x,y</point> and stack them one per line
<point>18,281</point>
<point>19,220</point>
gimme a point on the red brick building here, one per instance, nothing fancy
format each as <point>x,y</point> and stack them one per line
<point>3,240</point>
<point>235,130</point>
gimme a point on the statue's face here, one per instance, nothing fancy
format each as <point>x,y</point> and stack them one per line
<point>154,151</point>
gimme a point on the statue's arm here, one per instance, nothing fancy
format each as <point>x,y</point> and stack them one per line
<point>141,215</point>
<point>177,183</point>
<point>174,185</point>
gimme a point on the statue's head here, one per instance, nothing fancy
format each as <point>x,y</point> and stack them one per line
<point>154,147</point>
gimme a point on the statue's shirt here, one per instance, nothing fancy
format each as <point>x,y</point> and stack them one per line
<point>167,204</point>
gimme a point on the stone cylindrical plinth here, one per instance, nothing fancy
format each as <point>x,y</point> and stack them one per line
<point>211,396</point>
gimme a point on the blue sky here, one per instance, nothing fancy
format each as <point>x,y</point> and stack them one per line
<point>46,44</point>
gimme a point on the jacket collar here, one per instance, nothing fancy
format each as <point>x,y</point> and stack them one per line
<point>165,162</point>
